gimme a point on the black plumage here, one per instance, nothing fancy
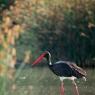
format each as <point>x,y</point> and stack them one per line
<point>67,69</point>
<point>64,68</point>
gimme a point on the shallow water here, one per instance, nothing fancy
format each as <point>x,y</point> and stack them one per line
<point>41,81</point>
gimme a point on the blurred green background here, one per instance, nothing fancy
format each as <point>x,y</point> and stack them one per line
<point>66,28</point>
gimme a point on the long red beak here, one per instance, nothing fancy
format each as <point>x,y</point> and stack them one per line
<point>38,60</point>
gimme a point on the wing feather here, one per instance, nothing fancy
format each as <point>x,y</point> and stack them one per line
<point>78,69</point>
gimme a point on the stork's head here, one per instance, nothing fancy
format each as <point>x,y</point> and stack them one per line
<point>45,54</point>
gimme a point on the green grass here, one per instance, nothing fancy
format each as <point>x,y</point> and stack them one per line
<point>41,81</point>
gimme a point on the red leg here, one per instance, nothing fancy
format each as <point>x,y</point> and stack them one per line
<point>76,91</point>
<point>62,88</point>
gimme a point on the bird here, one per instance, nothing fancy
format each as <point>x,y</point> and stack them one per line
<point>64,70</point>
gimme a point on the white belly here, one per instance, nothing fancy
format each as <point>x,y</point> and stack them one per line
<point>69,78</point>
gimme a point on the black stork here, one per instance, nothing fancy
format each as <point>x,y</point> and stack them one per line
<point>63,69</point>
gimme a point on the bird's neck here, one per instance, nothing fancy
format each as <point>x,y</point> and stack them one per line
<point>48,57</point>
<point>49,62</point>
